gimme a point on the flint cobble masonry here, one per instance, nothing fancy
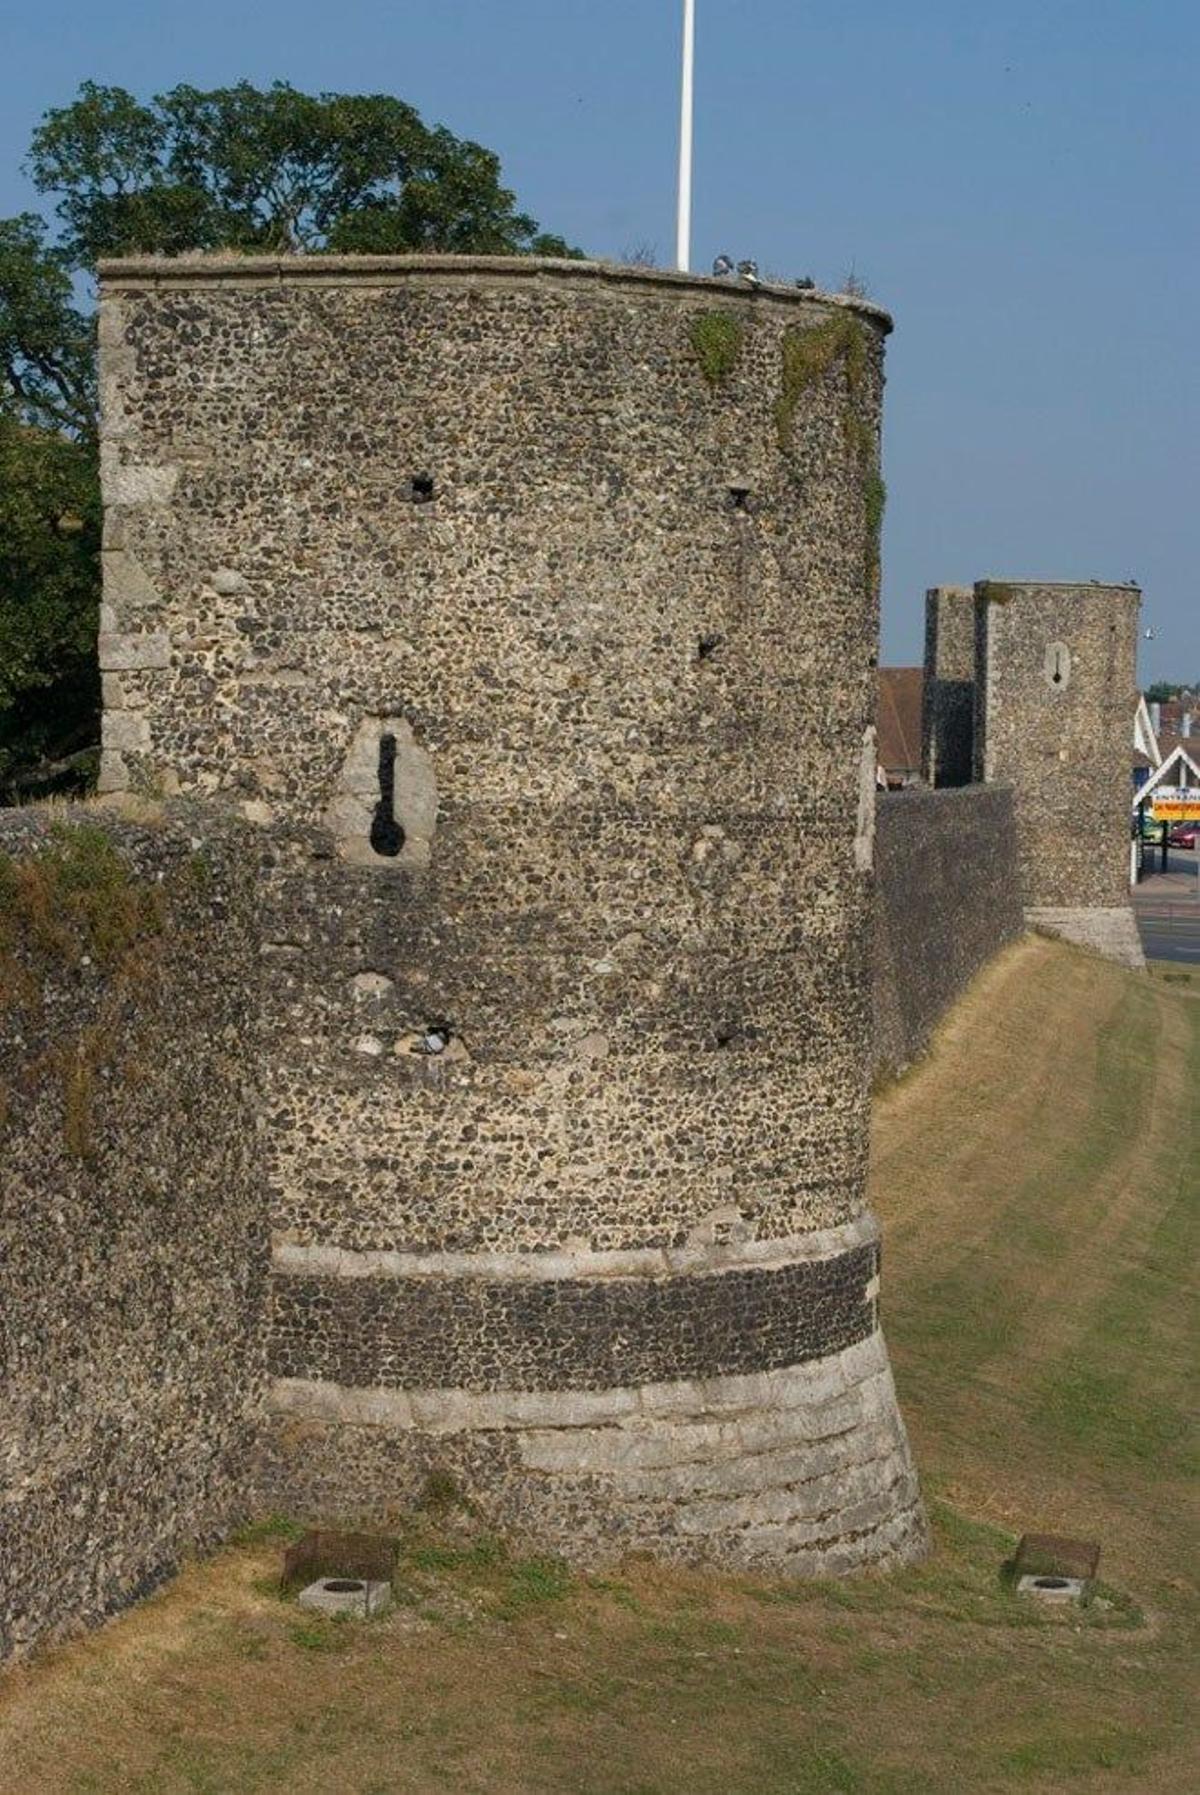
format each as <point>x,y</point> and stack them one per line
<point>539,653</point>
<point>133,1233</point>
<point>947,897</point>
<point>1055,692</point>
<point>567,1334</point>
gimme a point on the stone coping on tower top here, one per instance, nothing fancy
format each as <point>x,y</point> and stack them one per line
<point>134,272</point>
<point>1011,585</point>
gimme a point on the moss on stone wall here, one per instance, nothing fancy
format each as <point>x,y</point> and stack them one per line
<point>716,343</point>
<point>808,356</point>
<point>875,502</point>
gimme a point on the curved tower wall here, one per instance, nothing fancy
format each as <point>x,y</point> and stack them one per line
<point>530,610</point>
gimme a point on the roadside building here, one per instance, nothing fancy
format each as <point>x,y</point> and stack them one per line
<point>898,725</point>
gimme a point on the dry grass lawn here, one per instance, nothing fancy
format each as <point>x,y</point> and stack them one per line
<point>1037,1178</point>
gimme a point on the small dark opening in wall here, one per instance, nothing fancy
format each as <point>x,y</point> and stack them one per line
<point>739,498</point>
<point>387,836</point>
<point>725,1035</point>
<point>707,647</point>
<point>422,489</point>
<point>435,1037</point>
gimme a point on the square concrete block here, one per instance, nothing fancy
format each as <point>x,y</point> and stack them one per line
<point>357,1596</point>
<point>1055,1590</point>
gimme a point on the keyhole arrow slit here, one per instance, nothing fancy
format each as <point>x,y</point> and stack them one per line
<point>387,836</point>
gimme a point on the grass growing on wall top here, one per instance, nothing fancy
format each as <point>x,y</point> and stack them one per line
<point>76,898</point>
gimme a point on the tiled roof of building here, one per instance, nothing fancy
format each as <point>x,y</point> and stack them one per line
<point>898,718</point>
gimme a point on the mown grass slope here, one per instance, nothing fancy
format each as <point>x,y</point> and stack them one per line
<point>1037,1178</point>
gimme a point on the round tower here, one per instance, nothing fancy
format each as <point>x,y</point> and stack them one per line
<point>531,608</point>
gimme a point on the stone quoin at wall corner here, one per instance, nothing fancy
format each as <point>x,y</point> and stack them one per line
<point>528,610</point>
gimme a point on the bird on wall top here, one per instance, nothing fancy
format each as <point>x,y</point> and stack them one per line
<point>723,266</point>
<point>749,272</point>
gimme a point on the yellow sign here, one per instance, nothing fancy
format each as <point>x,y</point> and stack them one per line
<point>1176,804</point>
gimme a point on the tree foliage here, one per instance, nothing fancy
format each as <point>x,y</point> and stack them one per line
<point>270,169</point>
<point>47,346</point>
<point>49,593</point>
<point>235,169</point>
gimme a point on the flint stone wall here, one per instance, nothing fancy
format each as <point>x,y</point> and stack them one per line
<point>133,1247</point>
<point>1055,694</point>
<point>948,690</point>
<point>608,609</point>
<point>947,897</point>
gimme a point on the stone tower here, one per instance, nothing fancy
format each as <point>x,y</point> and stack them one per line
<point>948,695</point>
<point>1055,695</point>
<point>529,609</point>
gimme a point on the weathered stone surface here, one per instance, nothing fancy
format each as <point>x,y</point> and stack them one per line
<point>948,694</point>
<point>539,714</point>
<point>148,650</point>
<point>582,1334</point>
<point>1055,691</point>
<point>126,583</point>
<point>1112,931</point>
<point>804,1470</point>
<point>125,730</point>
<point>128,483</point>
<point>133,1249</point>
<point>357,797</point>
<point>947,897</point>
<point>113,775</point>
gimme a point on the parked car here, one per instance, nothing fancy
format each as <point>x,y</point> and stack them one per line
<point>1183,835</point>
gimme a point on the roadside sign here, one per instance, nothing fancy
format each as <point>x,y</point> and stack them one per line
<point>1176,804</point>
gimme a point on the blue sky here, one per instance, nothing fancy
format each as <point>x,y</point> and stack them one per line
<point>1016,181</point>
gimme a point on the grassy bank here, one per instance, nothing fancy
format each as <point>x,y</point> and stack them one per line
<point>1037,1181</point>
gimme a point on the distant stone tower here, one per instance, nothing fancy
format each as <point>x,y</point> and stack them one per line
<point>530,608</point>
<point>948,696</point>
<point>1055,697</point>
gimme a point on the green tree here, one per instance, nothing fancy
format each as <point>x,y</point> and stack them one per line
<point>49,520</point>
<point>235,169</point>
<point>247,168</point>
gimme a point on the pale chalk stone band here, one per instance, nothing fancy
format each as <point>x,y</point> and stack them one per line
<point>805,1470</point>
<point>809,1395</point>
<point>289,1259</point>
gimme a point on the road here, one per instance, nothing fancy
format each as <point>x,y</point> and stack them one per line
<point>1167,906</point>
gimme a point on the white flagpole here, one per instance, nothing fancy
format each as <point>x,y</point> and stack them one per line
<point>683,234</point>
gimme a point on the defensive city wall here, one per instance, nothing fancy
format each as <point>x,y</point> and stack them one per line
<point>476,1078</point>
<point>133,1233</point>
